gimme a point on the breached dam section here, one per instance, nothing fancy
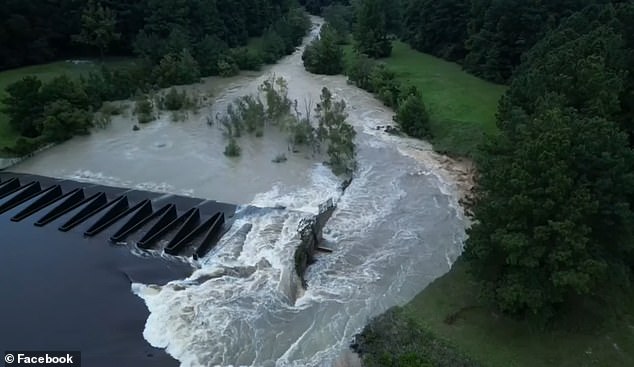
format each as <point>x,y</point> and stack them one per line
<point>71,251</point>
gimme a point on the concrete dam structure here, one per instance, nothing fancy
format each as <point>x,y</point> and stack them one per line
<point>71,250</point>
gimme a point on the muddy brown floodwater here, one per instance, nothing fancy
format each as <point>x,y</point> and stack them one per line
<point>397,227</point>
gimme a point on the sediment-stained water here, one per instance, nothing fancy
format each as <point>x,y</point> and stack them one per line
<point>397,227</point>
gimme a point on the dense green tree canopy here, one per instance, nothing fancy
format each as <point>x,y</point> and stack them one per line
<point>37,31</point>
<point>554,219</point>
<point>437,27</point>
<point>371,33</point>
<point>555,213</point>
<point>98,27</point>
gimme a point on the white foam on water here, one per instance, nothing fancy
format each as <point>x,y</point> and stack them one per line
<point>199,323</point>
<point>396,228</point>
<point>324,185</point>
<point>243,315</point>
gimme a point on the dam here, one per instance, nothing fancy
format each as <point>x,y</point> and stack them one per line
<point>397,226</point>
<point>71,251</point>
<point>70,271</point>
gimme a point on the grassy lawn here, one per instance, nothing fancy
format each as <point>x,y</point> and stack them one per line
<point>461,106</point>
<point>496,341</point>
<point>44,72</point>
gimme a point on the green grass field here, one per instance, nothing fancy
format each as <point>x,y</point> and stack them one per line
<point>496,341</point>
<point>462,107</point>
<point>44,72</point>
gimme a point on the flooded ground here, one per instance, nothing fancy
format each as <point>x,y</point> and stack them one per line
<point>397,227</point>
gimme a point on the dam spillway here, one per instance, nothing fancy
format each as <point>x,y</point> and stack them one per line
<point>70,252</point>
<point>190,225</point>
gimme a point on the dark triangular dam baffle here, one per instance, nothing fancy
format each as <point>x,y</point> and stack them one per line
<point>8,187</point>
<point>74,199</point>
<point>20,196</point>
<point>143,214</point>
<point>118,210</point>
<point>99,203</point>
<point>48,197</point>
<point>187,229</point>
<point>209,241</point>
<point>167,221</point>
<point>180,242</point>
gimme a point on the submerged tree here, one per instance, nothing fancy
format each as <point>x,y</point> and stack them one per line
<point>249,113</point>
<point>336,132</point>
<point>278,105</point>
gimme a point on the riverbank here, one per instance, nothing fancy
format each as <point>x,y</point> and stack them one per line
<point>74,69</point>
<point>45,72</point>
<point>461,106</point>
<point>450,313</point>
<point>447,324</point>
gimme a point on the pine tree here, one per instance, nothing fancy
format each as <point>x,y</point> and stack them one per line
<point>371,34</point>
<point>98,27</point>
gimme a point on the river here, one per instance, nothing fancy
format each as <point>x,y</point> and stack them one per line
<point>397,227</point>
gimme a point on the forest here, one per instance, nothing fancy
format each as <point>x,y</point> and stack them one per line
<point>38,31</point>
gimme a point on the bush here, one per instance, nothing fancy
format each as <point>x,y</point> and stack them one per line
<point>62,121</point>
<point>227,66</point>
<point>232,149</point>
<point>176,101</point>
<point>360,71</point>
<point>175,69</point>
<point>278,105</point>
<point>383,83</point>
<point>374,77</point>
<point>116,84</point>
<point>208,54</point>
<point>245,113</point>
<point>246,59</point>
<point>337,133</point>
<point>392,339</point>
<point>412,116</point>
<point>64,88</point>
<point>144,109</point>
<point>301,132</point>
<point>27,99</point>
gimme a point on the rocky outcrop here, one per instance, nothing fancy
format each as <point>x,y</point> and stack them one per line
<point>390,129</point>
